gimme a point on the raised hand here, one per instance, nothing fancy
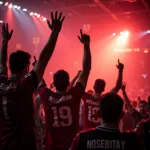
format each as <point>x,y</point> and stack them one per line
<point>123,87</point>
<point>51,85</point>
<point>120,66</point>
<point>56,22</point>
<point>79,73</point>
<point>6,35</point>
<point>35,60</point>
<point>84,38</point>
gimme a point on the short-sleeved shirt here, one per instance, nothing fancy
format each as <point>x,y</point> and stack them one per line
<point>101,138</point>
<point>17,112</point>
<point>143,131</point>
<point>62,116</point>
<point>91,111</point>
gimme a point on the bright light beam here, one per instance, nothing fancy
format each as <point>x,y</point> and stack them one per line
<point>10,5</point>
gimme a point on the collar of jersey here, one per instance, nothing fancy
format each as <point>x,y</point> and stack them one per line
<point>107,129</point>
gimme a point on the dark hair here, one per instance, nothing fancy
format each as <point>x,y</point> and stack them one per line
<point>99,85</point>
<point>18,61</point>
<point>111,107</point>
<point>143,102</point>
<point>61,80</point>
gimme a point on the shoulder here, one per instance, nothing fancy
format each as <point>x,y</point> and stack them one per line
<point>43,90</point>
<point>86,132</point>
<point>77,90</point>
<point>3,78</point>
<point>86,96</point>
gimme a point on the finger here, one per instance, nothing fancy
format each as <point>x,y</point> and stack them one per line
<point>7,27</point>
<point>56,15</point>
<point>52,16</point>
<point>60,16</point>
<point>48,23</point>
<point>62,19</point>
<point>79,38</point>
<point>35,58</point>
<point>118,61</point>
<point>81,32</point>
<point>11,32</point>
<point>3,27</point>
<point>117,66</point>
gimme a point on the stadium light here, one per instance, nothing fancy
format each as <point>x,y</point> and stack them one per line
<point>24,9</point>
<point>114,34</point>
<point>10,5</point>
<point>1,2</point>
<point>1,21</point>
<point>44,19</point>
<point>6,4</point>
<point>35,14</point>
<point>31,13</point>
<point>15,6</point>
<point>18,7</point>
<point>38,16</point>
<point>148,31</point>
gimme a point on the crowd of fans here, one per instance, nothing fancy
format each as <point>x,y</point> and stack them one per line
<point>62,116</point>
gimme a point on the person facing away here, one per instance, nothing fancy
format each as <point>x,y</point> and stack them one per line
<point>143,130</point>
<point>91,102</point>
<point>62,107</point>
<point>107,136</point>
<point>16,104</point>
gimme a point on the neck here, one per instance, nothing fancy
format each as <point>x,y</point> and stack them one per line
<point>16,75</point>
<point>61,91</point>
<point>97,94</point>
<point>110,125</point>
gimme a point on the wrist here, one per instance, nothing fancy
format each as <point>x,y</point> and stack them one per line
<point>123,91</point>
<point>55,32</point>
<point>86,44</point>
<point>4,41</point>
<point>120,70</point>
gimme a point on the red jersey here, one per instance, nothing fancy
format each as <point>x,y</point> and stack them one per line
<point>143,132</point>
<point>101,138</point>
<point>17,112</point>
<point>91,111</point>
<point>62,116</point>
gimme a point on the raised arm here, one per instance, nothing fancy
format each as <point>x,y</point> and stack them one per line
<point>42,82</point>
<point>73,81</point>
<point>117,87</point>
<point>55,26</point>
<point>86,64</point>
<point>126,99</point>
<point>6,36</point>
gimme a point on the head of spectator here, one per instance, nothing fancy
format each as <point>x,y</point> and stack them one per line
<point>19,63</point>
<point>111,109</point>
<point>61,80</point>
<point>143,107</point>
<point>90,92</point>
<point>99,86</point>
<point>134,104</point>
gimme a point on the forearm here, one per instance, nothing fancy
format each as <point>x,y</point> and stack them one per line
<point>118,82</point>
<point>126,98</point>
<point>3,53</point>
<point>45,55</point>
<point>86,65</point>
<point>42,83</point>
<point>49,48</point>
<point>73,81</point>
